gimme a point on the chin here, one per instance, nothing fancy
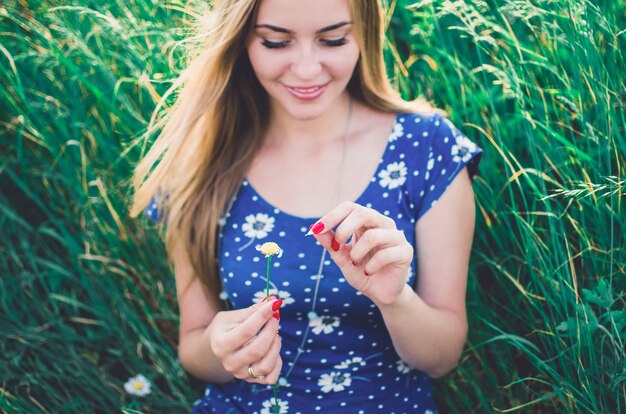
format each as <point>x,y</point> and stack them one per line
<point>306,110</point>
<point>306,115</point>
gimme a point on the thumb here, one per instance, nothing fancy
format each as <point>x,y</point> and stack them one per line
<point>240,315</point>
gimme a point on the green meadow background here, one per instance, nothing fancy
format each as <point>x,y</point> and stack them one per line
<point>87,299</point>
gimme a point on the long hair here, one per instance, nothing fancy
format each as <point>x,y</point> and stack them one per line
<point>216,125</point>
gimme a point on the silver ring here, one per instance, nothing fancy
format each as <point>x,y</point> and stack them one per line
<point>252,376</point>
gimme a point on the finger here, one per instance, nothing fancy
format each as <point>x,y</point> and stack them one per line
<point>348,218</point>
<point>373,240</point>
<point>237,316</point>
<point>255,350</point>
<point>338,252</point>
<point>332,219</point>
<point>396,255</point>
<point>223,340</point>
<point>249,327</point>
<point>272,377</point>
<point>267,364</point>
<point>257,347</point>
<point>360,220</point>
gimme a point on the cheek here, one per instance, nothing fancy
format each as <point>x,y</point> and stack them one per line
<point>343,65</point>
<point>263,65</point>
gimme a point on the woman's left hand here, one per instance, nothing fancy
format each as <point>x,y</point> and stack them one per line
<point>376,261</point>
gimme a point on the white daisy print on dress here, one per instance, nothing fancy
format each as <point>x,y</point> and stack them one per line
<point>396,132</point>
<point>270,408</point>
<point>429,166</point>
<point>335,381</point>
<point>393,176</point>
<point>463,150</point>
<point>402,366</point>
<point>351,363</point>
<point>325,324</point>
<point>280,294</point>
<point>257,226</point>
<point>283,382</point>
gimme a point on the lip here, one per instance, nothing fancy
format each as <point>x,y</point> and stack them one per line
<point>307,92</point>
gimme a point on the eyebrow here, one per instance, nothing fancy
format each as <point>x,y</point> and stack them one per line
<point>283,30</point>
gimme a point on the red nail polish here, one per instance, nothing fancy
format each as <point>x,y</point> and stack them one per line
<point>335,245</point>
<point>318,228</point>
<point>276,315</point>
<point>366,274</point>
<point>277,305</point>
<point>354,264</point>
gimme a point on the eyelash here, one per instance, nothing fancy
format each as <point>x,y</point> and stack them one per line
<point>279,45</point>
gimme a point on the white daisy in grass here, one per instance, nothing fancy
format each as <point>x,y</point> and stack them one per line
<point>325,324</point>
<point>351,363</point>
<point>402,366</point>
<point>257,226</point>
<point>335,381</point>
<point>138,386</point>
<point>396,132</point>
<point>393,176</point>
<point>269,406</point>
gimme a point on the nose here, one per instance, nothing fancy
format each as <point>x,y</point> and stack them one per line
<point>307,64</point>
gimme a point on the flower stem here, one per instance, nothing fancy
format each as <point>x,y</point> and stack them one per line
<point>267,278</point>
<point>267,294</point>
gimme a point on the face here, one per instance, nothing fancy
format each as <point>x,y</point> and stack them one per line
<point>303,53</point>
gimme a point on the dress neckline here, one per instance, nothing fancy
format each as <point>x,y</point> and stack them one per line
<point>369,185</point>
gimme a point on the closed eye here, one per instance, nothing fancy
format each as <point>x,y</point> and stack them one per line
<point>335,42</point>
<point>273,45</point>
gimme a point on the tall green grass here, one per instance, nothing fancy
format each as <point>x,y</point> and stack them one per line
<point>87,299</point>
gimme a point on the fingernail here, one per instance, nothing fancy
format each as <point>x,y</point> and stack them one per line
<point>310,230</point>
<point>366,274</point>
<point>335,245</point>
<point>318,228</point>
<point>276,315</point>
<point>270,297</point>
<point>277,305</point>
<point>354,264</point>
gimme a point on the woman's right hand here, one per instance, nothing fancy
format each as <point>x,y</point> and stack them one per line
<point>248,338</point>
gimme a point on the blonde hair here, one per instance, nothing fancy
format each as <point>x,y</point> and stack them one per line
<point>215,127</point>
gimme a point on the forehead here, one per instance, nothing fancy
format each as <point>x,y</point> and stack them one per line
<point>303,15</point>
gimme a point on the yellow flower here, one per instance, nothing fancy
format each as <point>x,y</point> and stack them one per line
<point>270,249</point>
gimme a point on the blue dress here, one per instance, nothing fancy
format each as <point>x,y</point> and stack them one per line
<point>337,354</point>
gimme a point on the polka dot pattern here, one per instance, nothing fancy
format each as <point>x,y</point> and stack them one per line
<point>337,354</point>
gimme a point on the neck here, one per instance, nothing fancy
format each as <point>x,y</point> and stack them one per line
<point>285,129</point>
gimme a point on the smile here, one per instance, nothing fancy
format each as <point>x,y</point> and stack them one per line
<point>306,92</point>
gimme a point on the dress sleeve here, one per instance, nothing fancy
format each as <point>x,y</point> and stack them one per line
<point>153,211</point>
<point>450,151</point>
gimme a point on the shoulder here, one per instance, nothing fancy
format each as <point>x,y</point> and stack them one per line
<point>421,121</point>
<point>437,138</point>
<point>370,121</point>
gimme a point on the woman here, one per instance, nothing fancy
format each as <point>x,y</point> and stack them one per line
<point>286,126</point>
